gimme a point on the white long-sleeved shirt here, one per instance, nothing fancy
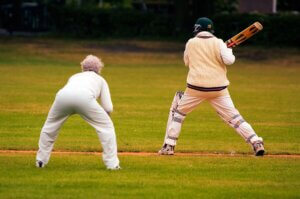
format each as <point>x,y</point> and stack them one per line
<point>94,84</point>
<point>206,56</point>
<point>226,54</point>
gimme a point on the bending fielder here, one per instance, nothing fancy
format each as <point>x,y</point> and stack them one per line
<point>79,96</point>
<point>206,56</point>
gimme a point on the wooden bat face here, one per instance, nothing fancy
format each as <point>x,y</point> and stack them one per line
<point>244,35</point>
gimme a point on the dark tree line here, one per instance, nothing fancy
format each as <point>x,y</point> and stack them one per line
<point>37,15</point>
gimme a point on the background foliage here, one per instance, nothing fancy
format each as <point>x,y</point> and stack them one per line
<point>98,23</point>
<point>120,19</point>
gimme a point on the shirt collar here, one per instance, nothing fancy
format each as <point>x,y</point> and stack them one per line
<point>204,33</point>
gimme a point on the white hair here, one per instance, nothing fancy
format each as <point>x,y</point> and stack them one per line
<point>92,63</point>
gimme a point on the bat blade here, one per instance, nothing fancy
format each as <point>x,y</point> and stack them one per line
<point>244,35</point>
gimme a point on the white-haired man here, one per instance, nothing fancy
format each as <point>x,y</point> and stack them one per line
<point>79,96</point>
<point>207,57</point>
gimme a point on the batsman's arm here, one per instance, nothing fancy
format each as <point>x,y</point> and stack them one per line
<point>185,56</point>
<point>226,54</point>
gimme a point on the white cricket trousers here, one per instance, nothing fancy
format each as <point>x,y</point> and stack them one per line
<point>220,101</point>
<point>68,102</point>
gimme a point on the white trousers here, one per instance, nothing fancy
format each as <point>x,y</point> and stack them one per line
<point>220,101</point>
<point>67,103</point>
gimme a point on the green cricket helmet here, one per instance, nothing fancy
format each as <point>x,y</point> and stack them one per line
<point>203,24</point>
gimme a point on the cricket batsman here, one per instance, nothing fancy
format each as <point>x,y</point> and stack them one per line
<point>206,56</point>
<point>79,96</point>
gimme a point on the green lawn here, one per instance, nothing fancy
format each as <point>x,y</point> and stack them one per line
<point>81,176</point>
<point>143,77</point>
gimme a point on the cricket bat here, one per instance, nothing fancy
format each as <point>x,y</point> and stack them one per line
<point>244,35</point>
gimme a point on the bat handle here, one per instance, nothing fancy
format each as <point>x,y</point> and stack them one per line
<point>231,44</point>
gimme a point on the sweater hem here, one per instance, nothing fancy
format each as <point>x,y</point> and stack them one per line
<point>206,89</point>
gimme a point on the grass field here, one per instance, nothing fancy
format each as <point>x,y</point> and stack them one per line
<point>157,177</point>
<point>143,77</point>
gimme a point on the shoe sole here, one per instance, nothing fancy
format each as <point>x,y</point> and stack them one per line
<point>114,169</point>
<point>260,153</point>
<point>160,153</point>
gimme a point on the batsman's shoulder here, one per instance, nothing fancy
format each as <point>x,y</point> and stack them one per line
<point>222,44</point>
<point>221,41</point>
<point>191,41</point>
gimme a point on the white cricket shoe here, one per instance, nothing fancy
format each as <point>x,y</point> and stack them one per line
<point>114,168</point>
<point>166,150</point>
<point>258,147</point>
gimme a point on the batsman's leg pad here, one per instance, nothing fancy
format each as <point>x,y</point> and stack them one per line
<point>236,121</point>
<point>174,128</point>
<point>254,139</point>
<point>243,128</point>
<point>178,95</point>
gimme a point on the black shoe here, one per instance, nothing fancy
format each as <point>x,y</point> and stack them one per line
<point>39,164</point>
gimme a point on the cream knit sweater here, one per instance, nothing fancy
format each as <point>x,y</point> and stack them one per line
<point>206,58</point>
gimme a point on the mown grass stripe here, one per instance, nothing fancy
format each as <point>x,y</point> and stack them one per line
<point>123,153</point>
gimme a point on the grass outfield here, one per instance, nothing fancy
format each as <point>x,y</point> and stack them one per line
<point>143,77</point>
<point>82,176</point>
